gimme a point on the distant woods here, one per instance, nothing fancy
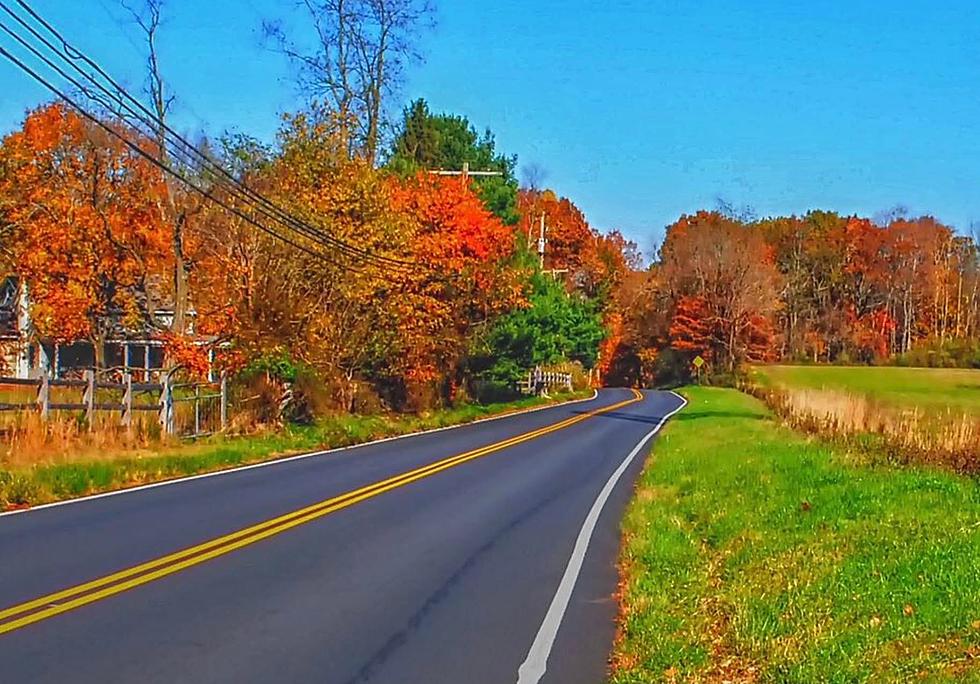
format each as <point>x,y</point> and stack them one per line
<point>819,287</point>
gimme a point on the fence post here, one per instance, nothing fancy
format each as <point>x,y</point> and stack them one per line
<point>197,409</point>
<point>166,404</point>
<point>127,413</point>
<point>224,401</point>
<point>89,398</point>
<point>44,397</point>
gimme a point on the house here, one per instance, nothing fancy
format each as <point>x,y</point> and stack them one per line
<point>23,355</point>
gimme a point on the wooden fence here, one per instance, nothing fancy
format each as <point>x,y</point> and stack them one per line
<point>208,401</point>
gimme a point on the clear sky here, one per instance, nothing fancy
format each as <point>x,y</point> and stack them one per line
<point>638,110</point>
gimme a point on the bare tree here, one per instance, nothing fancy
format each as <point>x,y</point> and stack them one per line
<point>886,217</point>
<point>361,49</point>
<point>744,214</point>
<point>148,16</point>
<point>533,176</point>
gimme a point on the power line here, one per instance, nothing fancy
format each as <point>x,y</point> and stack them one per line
<point>149,157</point>
<point>182,150</point>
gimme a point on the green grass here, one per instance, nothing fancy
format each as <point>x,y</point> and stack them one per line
<point>895,386</point>
<point>753,553</point>
<point>46,482</point>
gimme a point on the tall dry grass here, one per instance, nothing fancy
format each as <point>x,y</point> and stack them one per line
<point>949,438</point>
<point>27,440</point>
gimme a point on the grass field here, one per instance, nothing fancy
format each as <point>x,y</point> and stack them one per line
<point>905,415</point>
<point>65,477</point>
<point>926,388</point>
<point>754,553</point>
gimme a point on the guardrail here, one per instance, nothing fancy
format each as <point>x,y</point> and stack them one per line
<point>167,394</point>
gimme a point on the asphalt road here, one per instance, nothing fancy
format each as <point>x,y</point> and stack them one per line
<point>459,573</point>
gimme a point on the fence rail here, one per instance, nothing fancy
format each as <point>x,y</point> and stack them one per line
<point>539,381</point>
<point>202,395</point>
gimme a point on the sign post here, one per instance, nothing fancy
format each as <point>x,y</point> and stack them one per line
<point>698,364</point>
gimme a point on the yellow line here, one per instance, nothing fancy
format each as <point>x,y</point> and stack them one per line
<point>175,562</point>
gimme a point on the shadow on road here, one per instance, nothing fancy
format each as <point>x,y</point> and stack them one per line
<point>683,415</point>
<point>620,415</point>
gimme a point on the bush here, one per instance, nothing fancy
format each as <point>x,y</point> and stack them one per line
<point>933,353</point>
<point>557,327</point>
<point>275,388</point>
<point>17,490</point>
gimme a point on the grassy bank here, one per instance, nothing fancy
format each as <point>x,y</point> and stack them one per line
<point>753,553</point>
<point>64,478</point>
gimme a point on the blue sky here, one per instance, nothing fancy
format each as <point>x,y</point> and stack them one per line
<point>637,110</point>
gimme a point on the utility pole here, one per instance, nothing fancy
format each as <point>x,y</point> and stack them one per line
<point>465,173</point>
<point>541,242</point>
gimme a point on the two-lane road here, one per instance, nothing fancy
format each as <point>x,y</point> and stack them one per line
<point>481,554</point>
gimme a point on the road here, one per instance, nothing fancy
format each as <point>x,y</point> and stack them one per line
<point>361,565</point>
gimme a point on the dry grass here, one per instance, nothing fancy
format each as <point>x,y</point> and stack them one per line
<point>949,436</point>
<point>28,440</point>
<point>65,437</point>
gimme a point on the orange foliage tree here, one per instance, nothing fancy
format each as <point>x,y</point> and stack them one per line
<point>589,262</point>
<point>466,277</point>
<point>268,298</point>
<point>88,239</point>
<point>724,282</point>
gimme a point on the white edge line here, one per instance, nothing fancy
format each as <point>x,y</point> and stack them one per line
<point>536,664</point>
<point>287,459</point>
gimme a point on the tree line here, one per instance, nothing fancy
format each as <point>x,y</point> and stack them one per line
<point>86,228</point>
<point>821,287</point>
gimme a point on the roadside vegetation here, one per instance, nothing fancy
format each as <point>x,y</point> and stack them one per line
<point>755,553</point>
<point>96,466</point>
<point>902,388</point>
<point>902,415</point>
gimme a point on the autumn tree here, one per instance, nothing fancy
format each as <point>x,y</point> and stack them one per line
<point>723,281</point>
<point>89,242</point>
<point>176,206</point>
<point>588,261</point>
<point>644,303</point>
<point>271,299</point>
<point>467,277</point>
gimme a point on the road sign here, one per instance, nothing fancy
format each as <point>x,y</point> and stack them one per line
<point>698,362</point>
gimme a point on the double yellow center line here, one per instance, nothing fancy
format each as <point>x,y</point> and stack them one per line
<point>47,606</point>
